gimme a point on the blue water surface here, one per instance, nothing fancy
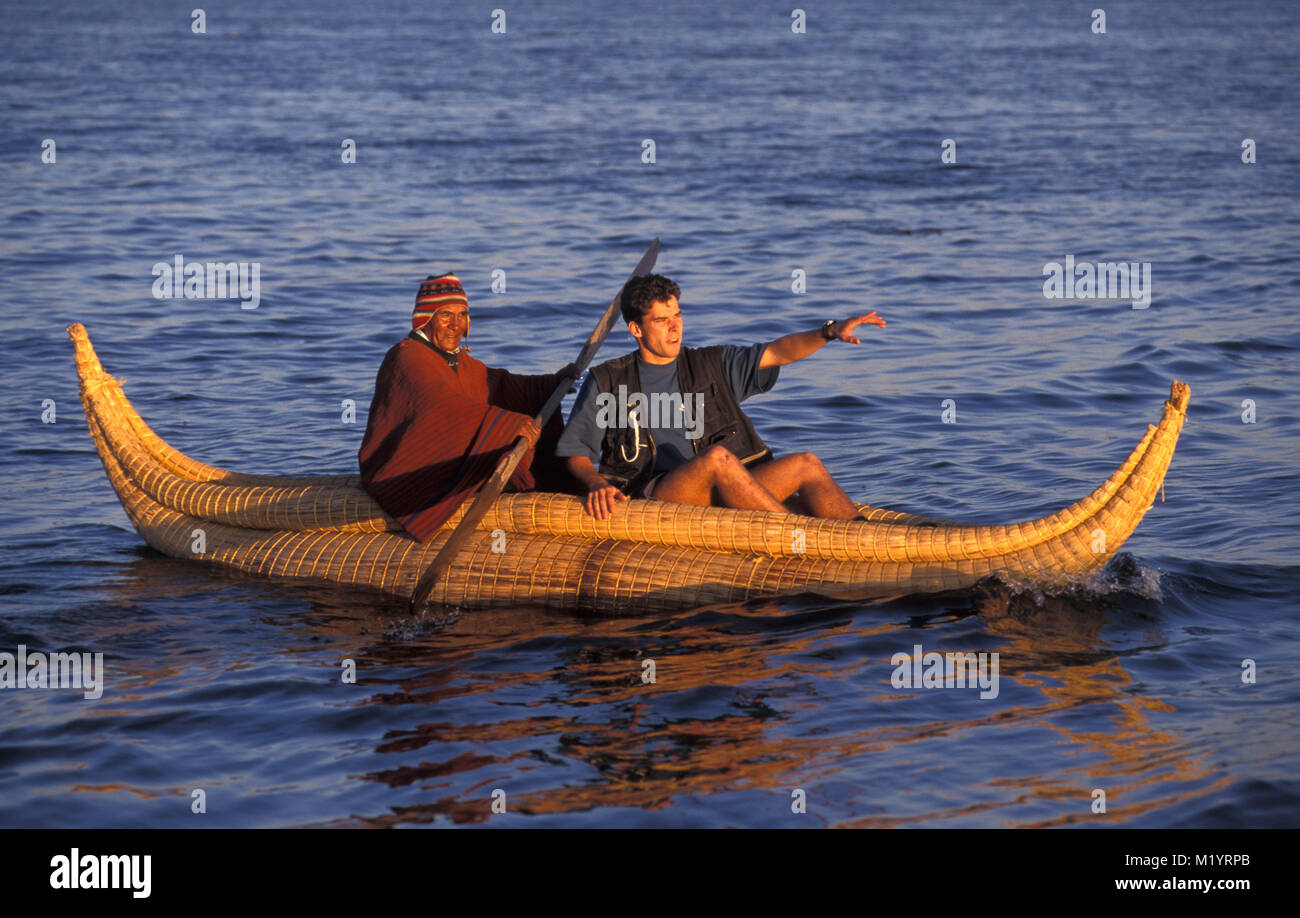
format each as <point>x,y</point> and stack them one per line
<point>774,152</point>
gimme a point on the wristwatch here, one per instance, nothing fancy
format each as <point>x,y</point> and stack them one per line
<point>826,330</point>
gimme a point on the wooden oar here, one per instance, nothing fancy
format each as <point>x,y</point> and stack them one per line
<point>510,461</point>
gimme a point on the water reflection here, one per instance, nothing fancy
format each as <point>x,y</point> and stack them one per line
<point>750,699</point>
<point>746,699</point>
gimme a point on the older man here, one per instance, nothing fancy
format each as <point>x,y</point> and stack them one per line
<point>665,420</point>
<point>440,420</point>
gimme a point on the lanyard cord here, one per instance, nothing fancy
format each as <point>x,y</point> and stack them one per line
<point>636,431</point>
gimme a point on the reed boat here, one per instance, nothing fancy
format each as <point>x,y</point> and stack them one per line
<point>541,549</point>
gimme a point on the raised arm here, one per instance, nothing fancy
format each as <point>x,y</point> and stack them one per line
<point>799,345</point>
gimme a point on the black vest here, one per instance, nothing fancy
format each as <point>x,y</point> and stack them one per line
<point>698,370</point>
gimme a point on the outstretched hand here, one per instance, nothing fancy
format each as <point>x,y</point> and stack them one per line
<point>843,329</point>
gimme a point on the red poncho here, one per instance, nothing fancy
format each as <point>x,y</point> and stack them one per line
<point>435,434</point>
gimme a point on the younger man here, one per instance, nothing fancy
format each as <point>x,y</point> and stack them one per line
<point>665,421</point>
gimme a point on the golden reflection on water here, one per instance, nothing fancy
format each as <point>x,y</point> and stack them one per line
<point>761,670</point>
<point>646,759</point>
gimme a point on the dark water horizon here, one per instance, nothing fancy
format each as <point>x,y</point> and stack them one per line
<point>775,152</point>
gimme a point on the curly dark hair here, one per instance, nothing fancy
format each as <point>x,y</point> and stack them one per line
<point>641,293</point>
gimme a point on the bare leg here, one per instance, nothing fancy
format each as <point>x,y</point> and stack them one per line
<point>716,476</point>
<point>794,504</point>
<point>804,473</point>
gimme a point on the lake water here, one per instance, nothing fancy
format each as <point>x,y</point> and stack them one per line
<point>774,152</point>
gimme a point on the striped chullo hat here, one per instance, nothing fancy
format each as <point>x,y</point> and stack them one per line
<point>435,293</point>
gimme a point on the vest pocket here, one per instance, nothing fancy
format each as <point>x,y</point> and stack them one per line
<point>722,436</point>
<point>719,428</point>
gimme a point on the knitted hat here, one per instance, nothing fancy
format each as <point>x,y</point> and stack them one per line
<point>435,293</point>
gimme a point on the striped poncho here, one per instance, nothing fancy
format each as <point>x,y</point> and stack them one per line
<point>435,434</point>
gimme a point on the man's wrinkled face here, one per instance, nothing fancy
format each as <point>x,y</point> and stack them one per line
<point>448,326</point>
<point>660,331</point>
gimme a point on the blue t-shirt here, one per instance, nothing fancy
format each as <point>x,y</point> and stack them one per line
<point>670,428</point>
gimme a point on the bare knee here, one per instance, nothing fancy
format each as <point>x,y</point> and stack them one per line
<point>717,457</point>
<point>722,464</point>
<point>811,465</point>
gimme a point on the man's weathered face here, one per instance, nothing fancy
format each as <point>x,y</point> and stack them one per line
<point>660,331</point>
<point>448,326</point>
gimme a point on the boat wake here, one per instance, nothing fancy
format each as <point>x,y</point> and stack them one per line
<point>1122,583</point>
<point>410,628</point>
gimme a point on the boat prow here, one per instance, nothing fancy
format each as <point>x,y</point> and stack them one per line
<point>652,556</point>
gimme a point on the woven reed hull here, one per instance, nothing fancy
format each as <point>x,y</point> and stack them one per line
<point>652,556</point>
